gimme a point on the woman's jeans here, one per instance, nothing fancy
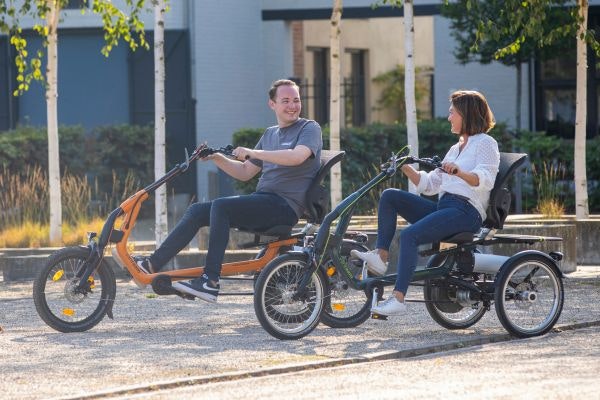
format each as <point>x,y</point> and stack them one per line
<point>429,222</point>
<point>258,211</point>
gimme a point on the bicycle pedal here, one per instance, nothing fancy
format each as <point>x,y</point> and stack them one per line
<point>382,317</point>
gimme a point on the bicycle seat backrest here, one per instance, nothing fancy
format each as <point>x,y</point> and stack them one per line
<point>500,196</point>
<point>317,195</point>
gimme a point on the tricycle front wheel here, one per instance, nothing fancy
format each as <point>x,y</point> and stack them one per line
<point>60,303</point>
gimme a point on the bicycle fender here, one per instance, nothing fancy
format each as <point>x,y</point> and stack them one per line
<point>300,253</point>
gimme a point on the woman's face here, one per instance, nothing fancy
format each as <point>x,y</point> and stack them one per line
<point>455,120</point>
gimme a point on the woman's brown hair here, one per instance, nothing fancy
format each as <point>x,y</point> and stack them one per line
<point>477,117</point>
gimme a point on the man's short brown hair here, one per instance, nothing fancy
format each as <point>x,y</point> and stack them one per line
<point>280,82</point>
<point>477,117</point>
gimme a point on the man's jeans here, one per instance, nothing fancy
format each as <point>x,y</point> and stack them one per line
<point>429,222</point>
<point>254,211</point>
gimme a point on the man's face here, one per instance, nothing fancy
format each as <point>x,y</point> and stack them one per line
<point>287,105</point>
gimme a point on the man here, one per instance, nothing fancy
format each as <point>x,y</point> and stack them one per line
<point>288,155</point>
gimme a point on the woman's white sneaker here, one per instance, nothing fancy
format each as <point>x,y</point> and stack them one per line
<point>374,262</point>
<point>390,307</point>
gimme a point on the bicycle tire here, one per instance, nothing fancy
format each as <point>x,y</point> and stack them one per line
<point>282,316</point>
<point>529,295</point>
<point>59,306</point>
<point>344,306</point>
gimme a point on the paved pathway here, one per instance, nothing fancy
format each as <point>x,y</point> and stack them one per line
<point>156,339</point>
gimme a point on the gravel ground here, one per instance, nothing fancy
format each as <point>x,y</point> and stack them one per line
<point>156,339</point>
<point>554,366</point>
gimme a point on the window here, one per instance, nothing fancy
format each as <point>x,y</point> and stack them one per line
<point>556,92</point>
<point>321,85</point>
<point>76,4</point>
<point>354,90</point>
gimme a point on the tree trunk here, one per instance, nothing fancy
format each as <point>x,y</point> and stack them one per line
<point>581,195</point>
<point>517,190</point>
<point>52,121</point>
<point>161,228</point>
<point>409,83</point>
<point>334,100</point>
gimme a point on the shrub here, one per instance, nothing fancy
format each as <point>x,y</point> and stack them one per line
<point>28,145</point>
<point>122,150</point>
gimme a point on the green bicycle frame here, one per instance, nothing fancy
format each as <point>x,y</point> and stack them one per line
<point>326,242</point>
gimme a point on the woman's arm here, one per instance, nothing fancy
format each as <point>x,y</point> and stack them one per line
<point>411,173</point>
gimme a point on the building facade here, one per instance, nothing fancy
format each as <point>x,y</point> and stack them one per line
<point>222,57</point>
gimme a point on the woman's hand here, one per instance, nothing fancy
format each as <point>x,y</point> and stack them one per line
<point>451,168</point>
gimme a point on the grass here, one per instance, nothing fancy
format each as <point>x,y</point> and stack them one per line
<point>550,203</point>
<point>24,213</point>
<point>35,234</point>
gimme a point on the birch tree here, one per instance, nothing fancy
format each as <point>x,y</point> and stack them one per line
<point>334,99</point>
<point>161,228</point>
<point>52,122</point>
<point>409,83</point>
<point>582,210</point>
<point>116,24</point>
<point>412,132</point>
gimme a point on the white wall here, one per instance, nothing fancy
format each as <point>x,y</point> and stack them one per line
<point>233,71</point>
<point>496,81</point>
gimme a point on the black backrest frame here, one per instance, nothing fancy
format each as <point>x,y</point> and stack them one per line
<point>317,196</point>
<point>500,196</point>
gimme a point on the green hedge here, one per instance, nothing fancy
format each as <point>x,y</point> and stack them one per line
<point>120,149</point>
<point>28,145</point>
<point>367,147</point>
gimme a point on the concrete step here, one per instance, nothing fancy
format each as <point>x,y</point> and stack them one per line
<point>23,266</point>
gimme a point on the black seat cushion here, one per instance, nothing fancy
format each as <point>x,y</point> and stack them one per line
<point>277,230</point>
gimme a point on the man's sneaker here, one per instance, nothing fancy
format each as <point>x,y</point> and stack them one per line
<point>201,287</point>
<point>390,307</point>
<point>144,264</point>
<point>374,262</point>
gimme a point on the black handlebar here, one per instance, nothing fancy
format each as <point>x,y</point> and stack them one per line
<point>204,151</point>
<point>397,161</point>
<point>201,151</point>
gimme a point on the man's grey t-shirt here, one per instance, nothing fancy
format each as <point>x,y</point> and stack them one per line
<point>291,183</point>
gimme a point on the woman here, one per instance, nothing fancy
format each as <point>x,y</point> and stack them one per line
<point>463,183</point>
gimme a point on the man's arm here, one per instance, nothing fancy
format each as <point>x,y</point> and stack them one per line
<point>289,157</point>
<point>242,171</point>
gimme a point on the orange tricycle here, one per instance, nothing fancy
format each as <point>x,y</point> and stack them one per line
<point>76,287</point>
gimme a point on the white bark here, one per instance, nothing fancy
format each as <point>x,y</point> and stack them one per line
<point>161,228</point>
<point>334,100</point>
<point>409,83</point>
<point>581,195</point>
<point>52,122</point>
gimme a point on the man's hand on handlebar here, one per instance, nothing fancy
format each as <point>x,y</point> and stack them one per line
<point>243,153</point>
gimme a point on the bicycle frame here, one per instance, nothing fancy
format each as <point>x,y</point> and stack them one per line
<point>127,214</point>
<point>325,242</point>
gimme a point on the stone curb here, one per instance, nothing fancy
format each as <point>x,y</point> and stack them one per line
<point>367,358</point>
